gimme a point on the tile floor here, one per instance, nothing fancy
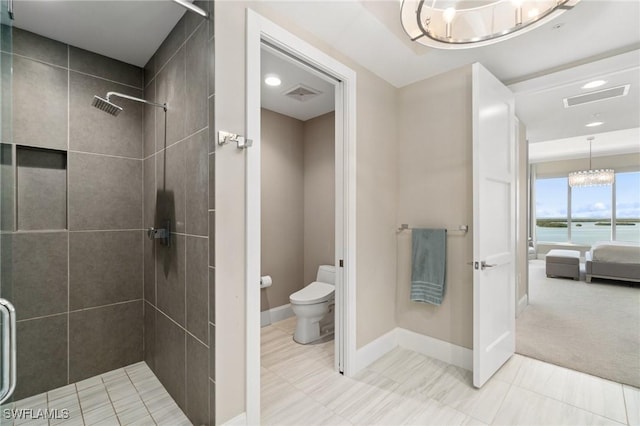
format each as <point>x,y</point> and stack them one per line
<point>299,387</point>
<point>126,396</point>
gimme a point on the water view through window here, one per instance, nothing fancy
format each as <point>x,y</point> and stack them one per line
<point>591,211</point>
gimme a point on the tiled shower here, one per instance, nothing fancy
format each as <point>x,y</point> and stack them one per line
<point>92,292</point>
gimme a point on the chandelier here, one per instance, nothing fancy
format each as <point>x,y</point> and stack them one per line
<point>461,24</point>
<point>591,177</point>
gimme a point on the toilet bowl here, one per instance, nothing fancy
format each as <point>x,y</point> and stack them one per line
<point>313,307</point>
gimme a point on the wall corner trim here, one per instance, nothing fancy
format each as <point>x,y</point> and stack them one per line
<point>435,348</point>
<point>522,303</point>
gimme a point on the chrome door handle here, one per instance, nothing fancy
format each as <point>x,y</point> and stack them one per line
<point>484,265</point>
<point>8,350</point>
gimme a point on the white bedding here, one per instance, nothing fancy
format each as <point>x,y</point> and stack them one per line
<point>615,252</point>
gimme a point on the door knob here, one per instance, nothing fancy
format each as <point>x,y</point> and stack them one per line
<point>484,265</point>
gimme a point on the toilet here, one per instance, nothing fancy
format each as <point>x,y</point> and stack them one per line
<point>314,306</point>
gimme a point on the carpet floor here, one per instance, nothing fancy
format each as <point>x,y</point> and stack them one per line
<point>593,328</point>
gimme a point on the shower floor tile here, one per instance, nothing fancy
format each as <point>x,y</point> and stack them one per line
<point>132,395</point>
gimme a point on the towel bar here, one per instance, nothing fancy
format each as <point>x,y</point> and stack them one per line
<point>461,228</point>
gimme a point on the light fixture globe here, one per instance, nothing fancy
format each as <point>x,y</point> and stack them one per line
<point>463,24</point>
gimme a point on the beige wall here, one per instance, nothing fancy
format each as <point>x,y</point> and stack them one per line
<point>319,195</point>
<point>375,201</point>
<point>298,202</point>
<point>282,198</point>
<point>435,190</point>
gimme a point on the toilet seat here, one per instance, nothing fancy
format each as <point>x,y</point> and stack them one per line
<point>316,292</point>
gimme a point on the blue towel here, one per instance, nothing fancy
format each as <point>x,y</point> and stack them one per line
<point>428,266</point>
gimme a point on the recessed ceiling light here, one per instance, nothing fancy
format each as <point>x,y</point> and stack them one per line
<point>595,124</point>
<point>594,84</point>
<point>272,80</point>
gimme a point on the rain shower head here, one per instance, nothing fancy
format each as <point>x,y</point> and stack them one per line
<point>106,106</point>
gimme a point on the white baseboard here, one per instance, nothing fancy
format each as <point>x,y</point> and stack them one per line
<point>429,346</point>
<point>522,303</point>
<point>275,314</point>
<point>370,352</point>
<point>240,419</point>
<point>436,348</point>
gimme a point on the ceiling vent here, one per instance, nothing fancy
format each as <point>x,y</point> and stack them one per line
<point>302,93</point>
<point>600,95</point>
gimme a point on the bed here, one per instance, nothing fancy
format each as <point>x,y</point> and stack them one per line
<point>613,260</point>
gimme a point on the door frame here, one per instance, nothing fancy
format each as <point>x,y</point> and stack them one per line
<point>260,29</point>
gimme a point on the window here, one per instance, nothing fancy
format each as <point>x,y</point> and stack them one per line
<point>590,214</point>
<point>551,210</point>
<point>628,207</point>
<point>585,215</point>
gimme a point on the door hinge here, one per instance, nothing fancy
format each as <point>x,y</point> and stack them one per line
<point>341,263</point>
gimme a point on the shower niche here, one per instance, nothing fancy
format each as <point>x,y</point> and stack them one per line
<point>41,189</point>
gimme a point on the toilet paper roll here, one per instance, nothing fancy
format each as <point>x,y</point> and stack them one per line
<point>265,281</point>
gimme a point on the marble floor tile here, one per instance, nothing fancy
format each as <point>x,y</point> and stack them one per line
<point>590,393</point>
<point>525,407</point>
<point>632,403</point>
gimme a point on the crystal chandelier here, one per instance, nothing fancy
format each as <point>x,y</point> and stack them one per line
<point>460,24</point>
<point>591,177</point>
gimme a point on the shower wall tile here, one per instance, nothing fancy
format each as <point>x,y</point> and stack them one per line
<point>104,192</point>
<point>212,351</point>
<point>104,339</point>
<point>150,112</point>
<point>197,183</point>
<point>149,70</point>
<point>42,189</point>
<point>93,130</point>
<point>196,91</point>
<point>40,48</point>
<point>212,296</point>
<point>170,278</point>
<point>170,357</point>
<point>193,20</point>
<point>150,335</point>
<point>212,181</point>
<point>39,104</point>
<point>102,66</point>
<point>170,45</point>
<point>104,268</point>
<point>149,271</point>
<point>212,239</point>
<point>170,184</point>
<point>39,273</point>
<point>212,119</point>
<point>197,284</point>
<point>149,170</point>
<point>212,402</point>
<point>211,61</point>
<point>41,355</point>
<point>7,177</point>
<point>197,404</point>
<point>170,88</point>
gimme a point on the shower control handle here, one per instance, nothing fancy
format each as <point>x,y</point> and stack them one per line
<point>163,234</point>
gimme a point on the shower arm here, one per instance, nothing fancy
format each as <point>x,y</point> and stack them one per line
<point>133,98</point>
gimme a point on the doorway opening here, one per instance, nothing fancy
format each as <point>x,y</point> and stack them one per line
<point>329,76</point>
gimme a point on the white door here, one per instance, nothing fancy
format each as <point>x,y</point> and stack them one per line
<point>494,225</point>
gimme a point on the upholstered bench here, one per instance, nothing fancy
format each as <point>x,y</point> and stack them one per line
<point>563,263</point>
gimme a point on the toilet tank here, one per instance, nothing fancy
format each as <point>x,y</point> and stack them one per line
<point>326,274</point>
